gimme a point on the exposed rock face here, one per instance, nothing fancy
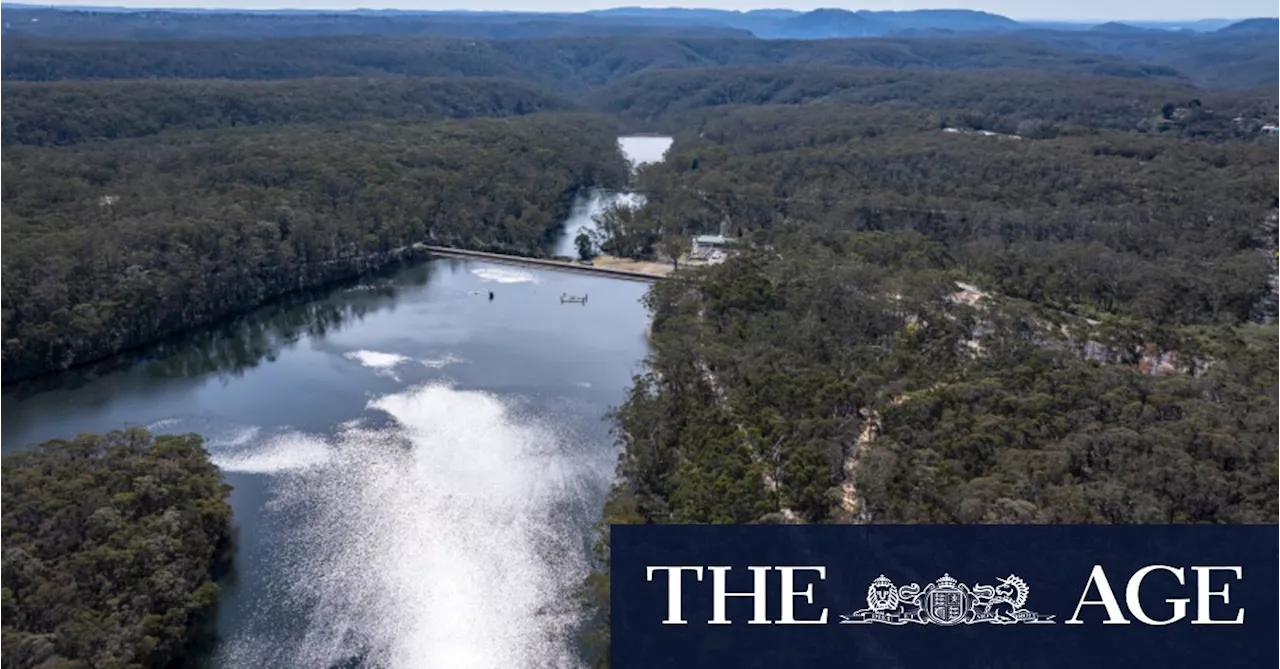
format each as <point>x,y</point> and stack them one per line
<point>1265,311</point>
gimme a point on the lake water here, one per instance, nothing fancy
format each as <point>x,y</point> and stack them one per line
<point>416,467</point>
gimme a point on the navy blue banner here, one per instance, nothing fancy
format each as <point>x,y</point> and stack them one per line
<point>946,597</point>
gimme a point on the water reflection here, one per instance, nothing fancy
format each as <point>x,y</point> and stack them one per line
<point>260,337</point>
<point>168,382</point>
<point>231,348</point>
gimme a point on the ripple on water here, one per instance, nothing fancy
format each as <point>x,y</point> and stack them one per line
<point>377,359</point>
<point>164,425</point>
<point>503,275</point>
<point>289,452</point>
<point>443,361</point>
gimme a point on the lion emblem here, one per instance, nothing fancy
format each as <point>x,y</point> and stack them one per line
<point>882,595</point>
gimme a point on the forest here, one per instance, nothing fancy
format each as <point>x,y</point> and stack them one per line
<point>112,543</point>
<point>573,64</point>
<point>1127,224</point>
<point>923,326</point>
<point>50,114</point>
<point>112,245</point>
<point>1008,102</point>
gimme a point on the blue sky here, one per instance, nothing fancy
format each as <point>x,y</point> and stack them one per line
<point>1077,10</point>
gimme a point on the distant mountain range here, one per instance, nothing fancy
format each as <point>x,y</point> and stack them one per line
<point>820,23</point>
<point>129,23</point>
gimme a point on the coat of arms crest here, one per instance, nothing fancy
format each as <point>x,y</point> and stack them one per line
<point>947,602</point>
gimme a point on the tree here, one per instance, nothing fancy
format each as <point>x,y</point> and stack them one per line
<point>673,246</point>
<point>586,249</point>
<point>623,231</point>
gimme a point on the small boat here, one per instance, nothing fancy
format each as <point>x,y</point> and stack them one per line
<point>565,298</point>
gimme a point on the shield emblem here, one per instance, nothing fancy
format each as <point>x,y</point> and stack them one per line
<point>947,606</point>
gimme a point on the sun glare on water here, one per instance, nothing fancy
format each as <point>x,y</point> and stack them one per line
<point>436,540</point>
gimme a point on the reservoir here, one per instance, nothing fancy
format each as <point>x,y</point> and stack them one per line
<point>417,468</point>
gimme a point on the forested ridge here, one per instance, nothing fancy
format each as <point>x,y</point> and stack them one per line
<point>1222,60</point>
<point>114,245</point>
<point>111,543</point>
<point>1011,102</point>
<point>1005,101</point>
<point>560,64</point>
<point>70,112</point>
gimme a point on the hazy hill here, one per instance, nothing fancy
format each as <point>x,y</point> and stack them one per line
<point>1253,26</point>
<point>1200,25</point>
<point>960,20</point>
<point>820,23</point>
<point>122,23</point>
<point>829,23</point>
<point>133,25</point>
<point>1117,27</point>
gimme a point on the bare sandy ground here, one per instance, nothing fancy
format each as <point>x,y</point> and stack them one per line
<point>613,262</point>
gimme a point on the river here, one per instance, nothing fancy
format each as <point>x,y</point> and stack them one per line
<point>639,151</point>
<point>416,467</point>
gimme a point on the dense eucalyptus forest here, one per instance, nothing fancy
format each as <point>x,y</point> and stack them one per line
<point>72,112</point>
<point>1010,102</point>
<point>111,546</point>
<point>986,276</point>
<point>564,64</point>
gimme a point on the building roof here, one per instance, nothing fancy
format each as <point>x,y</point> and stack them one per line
<point>710,240</point>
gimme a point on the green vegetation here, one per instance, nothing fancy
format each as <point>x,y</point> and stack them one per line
<point>110,544</point>
<point>113,245</point>
<point>772,377</point>
<point>1151,227</point>
<point>561,64</point>
<point>585,246</point>
<point>46,114</point>
<point>1022,103</point>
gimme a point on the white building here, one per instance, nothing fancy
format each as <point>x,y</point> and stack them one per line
<point>705,243</point>
<point>709,247</point>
